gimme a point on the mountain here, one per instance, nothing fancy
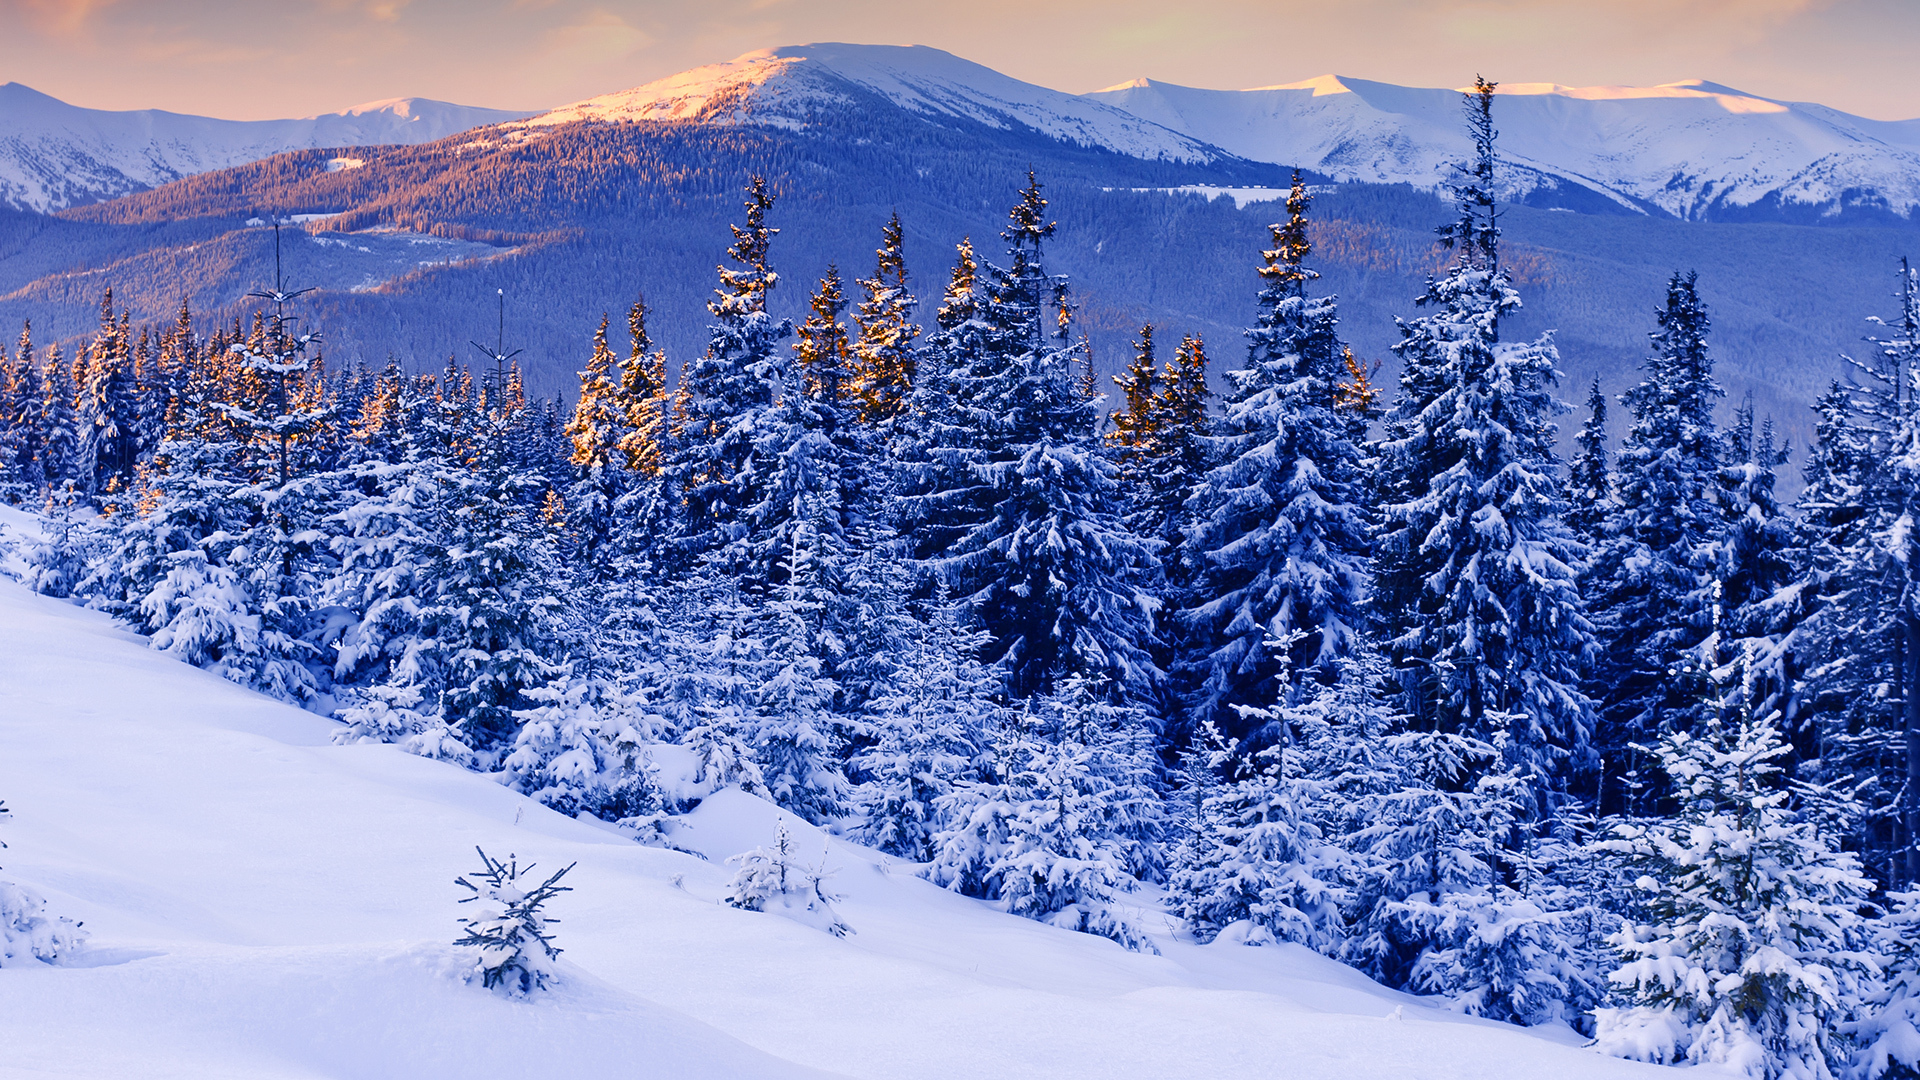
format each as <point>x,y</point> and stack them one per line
<point>575,212</point>
<point>54,155</point>
<point>792,87</point>
<point>1691,150</point>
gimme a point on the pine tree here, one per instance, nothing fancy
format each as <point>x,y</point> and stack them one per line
<point>108,405</point>
<point>598,432</point>
<point>1863,643</point>
<point>1019,502</point>
<point>884,359</point>
<point>1278,528</point>
<point>1650,575</point>
<point>26,931</point>
<point>929,730</point>
<point>1745,959</point>
<point>1590,499</point>
<point>719,462</point>
<point>1476,572</point>
<point>1068,821</point>
<point>822,348</point>
<point>509,931</point>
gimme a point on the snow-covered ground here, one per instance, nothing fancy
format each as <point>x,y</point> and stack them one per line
<point>265,904</point>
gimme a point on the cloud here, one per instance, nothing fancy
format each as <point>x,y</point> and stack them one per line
<point>599,36</point>
<point>60,18</point>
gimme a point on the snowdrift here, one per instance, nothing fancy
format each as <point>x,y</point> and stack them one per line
<point>264,904</point>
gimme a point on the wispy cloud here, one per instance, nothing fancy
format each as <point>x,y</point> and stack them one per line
<point>596,37</point>
<point>59,18</point>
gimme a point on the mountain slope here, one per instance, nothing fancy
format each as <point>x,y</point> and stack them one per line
<point>1693,150</point>
<point>792,86</point>
<point>266,905</point>
<point>55,155</point>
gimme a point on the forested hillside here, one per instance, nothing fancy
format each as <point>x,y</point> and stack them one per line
<point>1334,656</point>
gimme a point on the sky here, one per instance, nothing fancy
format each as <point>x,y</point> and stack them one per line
<point>278,58</point>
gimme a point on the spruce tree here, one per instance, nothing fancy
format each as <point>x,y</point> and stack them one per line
<point>598,432</point>
<point>1865,648</point>
<point>1278,528</point>
<point>1476,570</point>
<point>1020,502</point>
<point>1648,584</point>
<point>884,357</point>
<point>1589,485</point>
<point>1746,957</point>
<point>719,462</point>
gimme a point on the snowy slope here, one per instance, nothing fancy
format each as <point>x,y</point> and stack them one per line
<point>267,905</point>
<point>54,155</point>
<point>787,86</point>
<point>1688,149</point>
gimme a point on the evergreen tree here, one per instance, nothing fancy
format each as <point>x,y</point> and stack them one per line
<point>1278,528</point>
<point>509,931</point>
<point>1025,504</point>
<point>929,730</point>
<point>884,359</point>
<point>1745,958</point>
<point>1863,643</point>
<point>1475,569</point>
<point>1066,823</point>
<point>1651,572</point>
<point>1590,499</point>
<point>598,432</point>
<point>718,461</point>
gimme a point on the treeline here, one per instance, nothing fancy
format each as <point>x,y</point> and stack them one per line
<point>1619,741</point>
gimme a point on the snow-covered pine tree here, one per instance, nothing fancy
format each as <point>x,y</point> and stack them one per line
<point>1442,907</point>
<point>1747,959</point>
<point>884,357</point>
<point>571,752</point>
<point>718,460</point>
<point>1017,490</point>
<point>1475,570</point>
<point>1261,858</point>
<point>774,879</point>
<point>509,932</point>
<point>1069,819</point>
<point>1887,1031</point>
<point>1647,586</point>
<point>1858,509</point>
<point>26,931</point>
<point>108,404</point>
<point>490,606</point>
<point>1766,592</point>
<point>1278,529</point>
<point>598,431</point>
<point>928,731</point>
<point>1589,484</point>
<point>60,455</point>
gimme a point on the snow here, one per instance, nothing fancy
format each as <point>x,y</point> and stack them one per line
<point>1682,147</point>
<point>785,87</point>
<point>55,155</point>
<point>265,904</point>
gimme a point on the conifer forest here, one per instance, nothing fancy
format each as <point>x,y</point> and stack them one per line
<point>1559,711</point>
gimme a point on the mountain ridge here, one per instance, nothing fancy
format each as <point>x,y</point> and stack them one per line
<point>54,155</point>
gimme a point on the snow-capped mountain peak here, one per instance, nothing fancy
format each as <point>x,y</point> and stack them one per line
<point>1692,149</point>
<point>789,86</point>
<point>54,155</point>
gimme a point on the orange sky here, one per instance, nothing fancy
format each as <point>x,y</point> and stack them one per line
<point>274,58</point>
